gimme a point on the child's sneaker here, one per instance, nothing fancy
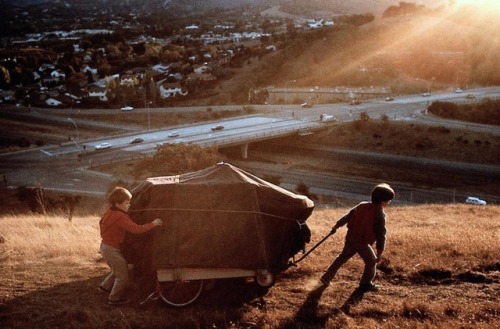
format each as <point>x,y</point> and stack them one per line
<point>369,287</point>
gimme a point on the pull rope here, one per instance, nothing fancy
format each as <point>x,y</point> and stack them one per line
<point>294,262</point>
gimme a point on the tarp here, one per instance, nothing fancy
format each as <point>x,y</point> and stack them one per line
<point>219,217</point>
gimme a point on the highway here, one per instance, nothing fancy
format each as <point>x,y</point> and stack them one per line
<point>59,167</point>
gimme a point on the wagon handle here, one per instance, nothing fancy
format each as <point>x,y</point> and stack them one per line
<point>294,263</point>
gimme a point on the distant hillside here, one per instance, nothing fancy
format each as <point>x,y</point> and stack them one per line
<point>413,53</point>
<point>346,6</point>
<point>299,7</point>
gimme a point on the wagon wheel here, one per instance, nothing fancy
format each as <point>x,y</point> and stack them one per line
<point>180,293</point>
<point>265,279</point>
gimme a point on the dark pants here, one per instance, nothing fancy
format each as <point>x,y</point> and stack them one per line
<point>365,251</point>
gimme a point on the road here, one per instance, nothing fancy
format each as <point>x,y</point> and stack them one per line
<point>292,166</point>
<point>60,168</point>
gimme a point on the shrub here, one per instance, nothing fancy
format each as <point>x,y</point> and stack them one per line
<point>174,159</point>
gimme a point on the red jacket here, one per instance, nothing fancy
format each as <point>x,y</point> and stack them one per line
<point>113,225</point>
<point>365,224</point>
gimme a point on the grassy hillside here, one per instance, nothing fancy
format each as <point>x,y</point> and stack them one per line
<point>441,271</point>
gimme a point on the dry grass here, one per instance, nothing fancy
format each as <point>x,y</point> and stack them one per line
<point>38,239</point>
<point>442,271</point>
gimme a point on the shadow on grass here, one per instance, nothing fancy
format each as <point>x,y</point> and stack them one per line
<point>79,304</point>
<point>308,314</point>
<point>354,299</point>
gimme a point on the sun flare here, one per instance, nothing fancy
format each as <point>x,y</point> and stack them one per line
<point>490,5</point>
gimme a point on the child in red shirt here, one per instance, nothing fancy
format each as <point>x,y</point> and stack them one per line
<point>365,227</point>
<point>113,226</point>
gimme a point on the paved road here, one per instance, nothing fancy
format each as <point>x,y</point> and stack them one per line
<point>59,167</point>
<point>288,159</point>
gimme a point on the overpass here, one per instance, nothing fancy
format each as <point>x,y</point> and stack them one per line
<point>235,132</point>
<point>262,133</point>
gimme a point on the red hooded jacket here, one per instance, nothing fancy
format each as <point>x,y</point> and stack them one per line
<point>115,223</point>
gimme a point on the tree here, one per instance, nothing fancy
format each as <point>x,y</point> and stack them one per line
<point>173,159</point>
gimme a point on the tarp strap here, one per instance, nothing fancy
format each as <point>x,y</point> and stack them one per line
<point>213,210</point>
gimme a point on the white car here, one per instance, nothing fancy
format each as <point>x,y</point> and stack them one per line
<point>327,118</point>
<point>474,200</point>
<point>127,108</point>
<point>173,134</point>
<point>102,146</point>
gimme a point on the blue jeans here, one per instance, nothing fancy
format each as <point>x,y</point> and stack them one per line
<point>117,280</point>
<point>351,248</point>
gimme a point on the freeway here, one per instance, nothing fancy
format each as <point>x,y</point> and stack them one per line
<point>68,167</point>
<point>58,167</point>
<point>233,132</point>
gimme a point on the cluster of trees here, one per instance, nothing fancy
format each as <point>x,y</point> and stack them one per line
<point>38,202</point>
<point>175,159</point>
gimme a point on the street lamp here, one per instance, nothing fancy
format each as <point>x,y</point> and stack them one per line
<point>76,127</point>
<point>286,88</point>
<point>149,118</point>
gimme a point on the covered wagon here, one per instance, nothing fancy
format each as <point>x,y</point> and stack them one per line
<point>219,222</point>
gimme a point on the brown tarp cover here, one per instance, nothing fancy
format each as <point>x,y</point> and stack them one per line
<point>220,217</point>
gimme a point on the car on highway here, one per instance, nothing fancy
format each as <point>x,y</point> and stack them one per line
<point>173,134</point>
<point>103,146</point>
<point>137,140</point>
<point>475,200</point>
<point>327,118</point>
<point>306,105</point>
<point>426,94</point>
<point>217,127</point>
<point>458,91</point>
<point>470,96</point>
<point>127,108</point>
<point>389,99</point>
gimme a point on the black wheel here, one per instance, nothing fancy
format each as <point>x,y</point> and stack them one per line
<point>265,279</point>
<point>180,293</point>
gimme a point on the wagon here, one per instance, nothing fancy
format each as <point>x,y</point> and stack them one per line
<point>218,223</point>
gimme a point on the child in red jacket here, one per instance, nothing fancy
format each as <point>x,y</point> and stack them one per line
<point>365,226</point>
<point>113,226</point>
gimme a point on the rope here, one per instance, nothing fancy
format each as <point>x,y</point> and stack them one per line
<point>294,262</point>
<point>213,210</point>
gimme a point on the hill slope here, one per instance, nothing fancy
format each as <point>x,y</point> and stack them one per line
<point>441,271</point>
<point>407,54</point>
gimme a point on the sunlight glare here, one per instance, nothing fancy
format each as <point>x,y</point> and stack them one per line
<point>491,5</point>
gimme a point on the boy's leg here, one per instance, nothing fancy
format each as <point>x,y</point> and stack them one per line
<point>368,255</point>
<point>341,259</point>
<point>119,269</point>
<point>108,282</point>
